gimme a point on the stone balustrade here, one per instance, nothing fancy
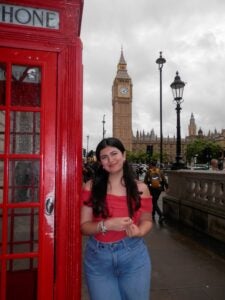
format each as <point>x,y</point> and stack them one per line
<point>197,199</point>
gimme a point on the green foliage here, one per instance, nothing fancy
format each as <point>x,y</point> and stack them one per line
<point>143,157</point>
<point>203,150</point>
<point>136,157</point>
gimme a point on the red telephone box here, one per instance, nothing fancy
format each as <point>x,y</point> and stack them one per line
<point>40,149</point>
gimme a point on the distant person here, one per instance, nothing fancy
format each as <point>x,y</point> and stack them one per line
<point>139,171</point>
<point>116,214</point>
<point>156,181</point>
<point>214,164</point>
<point>88,172</point>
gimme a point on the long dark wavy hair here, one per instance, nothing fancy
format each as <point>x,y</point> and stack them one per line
<point>100,181</point>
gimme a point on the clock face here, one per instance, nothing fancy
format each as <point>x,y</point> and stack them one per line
<point>123,90</point>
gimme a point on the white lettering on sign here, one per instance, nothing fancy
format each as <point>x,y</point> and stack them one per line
<point>28,16</point>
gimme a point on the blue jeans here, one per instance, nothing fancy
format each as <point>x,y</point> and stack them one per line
<point>117,271</point>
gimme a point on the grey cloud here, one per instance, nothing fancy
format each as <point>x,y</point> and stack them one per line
<point>191,35</point>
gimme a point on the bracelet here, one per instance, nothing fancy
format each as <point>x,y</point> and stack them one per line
<point>102,228</point>
<point>98,227</point>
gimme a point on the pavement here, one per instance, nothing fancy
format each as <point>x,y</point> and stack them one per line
<point>185,265</point>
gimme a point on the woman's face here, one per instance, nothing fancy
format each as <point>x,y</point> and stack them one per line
<point>112,159</point>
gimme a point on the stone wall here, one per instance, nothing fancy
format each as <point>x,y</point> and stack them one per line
<point>197,199</point>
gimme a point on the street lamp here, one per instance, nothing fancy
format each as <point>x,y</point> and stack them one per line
<point>160,61</point>
<point>87,145</point>
<point>103,127</point>
<point>177,89</point>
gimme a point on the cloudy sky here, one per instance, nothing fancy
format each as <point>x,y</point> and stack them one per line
<point>191,35</point>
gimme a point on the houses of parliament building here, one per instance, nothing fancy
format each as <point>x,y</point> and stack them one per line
<point>141,141</point>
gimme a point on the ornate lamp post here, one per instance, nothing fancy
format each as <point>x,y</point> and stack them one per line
<point>160,61</point>
<point>103,127</point>
<point>177,88</point>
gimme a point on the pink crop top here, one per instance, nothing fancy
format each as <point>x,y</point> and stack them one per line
<point>117,206</point>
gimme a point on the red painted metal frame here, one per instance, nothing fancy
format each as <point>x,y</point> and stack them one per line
<point>67,44</point>
<point>47,61</point>
<point>48,183</point>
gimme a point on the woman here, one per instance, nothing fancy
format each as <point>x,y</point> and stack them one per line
<point>116,214</point>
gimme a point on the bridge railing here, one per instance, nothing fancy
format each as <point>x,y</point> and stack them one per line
<point>197,199</point>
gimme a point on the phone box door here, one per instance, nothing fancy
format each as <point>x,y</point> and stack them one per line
<point>27,173</point>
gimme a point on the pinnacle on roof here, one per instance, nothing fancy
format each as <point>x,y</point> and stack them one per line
<point>122,67</point>
<point>122,59</point>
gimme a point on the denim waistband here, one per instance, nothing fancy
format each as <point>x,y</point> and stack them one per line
<point>121,244</point>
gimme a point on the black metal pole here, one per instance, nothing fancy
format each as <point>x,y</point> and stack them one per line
<point>87,145</point>
<point>161,134</point>
<point>178,145</point>
<point>160,61</point>
<point>103,127</point>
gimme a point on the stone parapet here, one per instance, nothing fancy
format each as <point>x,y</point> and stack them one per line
<point>197,199</point>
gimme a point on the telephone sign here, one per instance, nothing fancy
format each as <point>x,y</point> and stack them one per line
<point>27,16</point>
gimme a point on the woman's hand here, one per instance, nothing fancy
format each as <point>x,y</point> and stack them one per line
<point>143,227</point>
<point>133,230</point>
<point>118,224</point>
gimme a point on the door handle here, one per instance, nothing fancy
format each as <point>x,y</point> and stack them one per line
<point>49,206</point>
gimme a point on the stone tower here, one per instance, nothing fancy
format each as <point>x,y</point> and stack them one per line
<point>192,126</point>
<point>122,104</point>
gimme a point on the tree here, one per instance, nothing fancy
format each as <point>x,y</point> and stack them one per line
<point>203,150</point>
<point>137,157</point>
<point>144,157</point>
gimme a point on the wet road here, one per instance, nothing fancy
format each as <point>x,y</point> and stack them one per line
<point>185,265</point>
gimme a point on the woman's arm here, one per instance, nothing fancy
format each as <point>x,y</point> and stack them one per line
<point>145,222</point>
<point>88,227</point>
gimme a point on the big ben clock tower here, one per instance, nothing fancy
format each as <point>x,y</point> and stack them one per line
<point>122,104</point>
